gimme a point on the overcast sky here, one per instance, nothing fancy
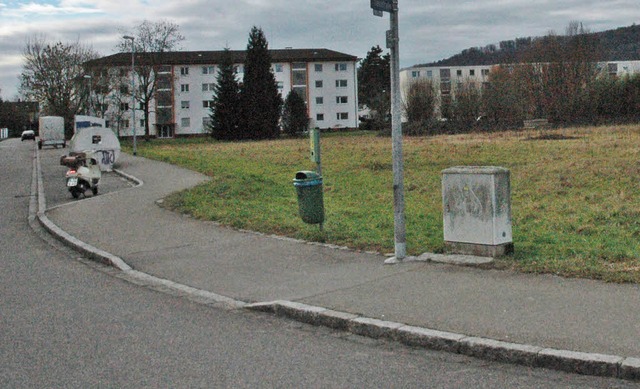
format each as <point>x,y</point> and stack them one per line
<point>429,30</point>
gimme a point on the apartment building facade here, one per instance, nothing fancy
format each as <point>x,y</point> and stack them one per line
<point>326,80</point>
<point>447,78</point>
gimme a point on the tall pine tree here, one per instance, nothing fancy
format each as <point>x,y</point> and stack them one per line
<point>260,99</point>
<point>225,111</point>
<point>374,83</point>
<point>294,114</point>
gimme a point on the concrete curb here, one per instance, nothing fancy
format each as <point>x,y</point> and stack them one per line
<point>482,348</point>
<point>488,349</point>
<point>86,249</point>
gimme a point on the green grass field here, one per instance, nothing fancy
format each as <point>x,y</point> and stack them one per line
<point>575,201</point>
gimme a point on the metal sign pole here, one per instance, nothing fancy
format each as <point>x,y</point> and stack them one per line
<point>393,43</point>
<point>396,135</point>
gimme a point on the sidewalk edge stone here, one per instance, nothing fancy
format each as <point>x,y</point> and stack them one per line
<point>579,362</point>
<point>431,339</point>
<point>630,369</point>
<point>374,328</point>
<point>500,351</point>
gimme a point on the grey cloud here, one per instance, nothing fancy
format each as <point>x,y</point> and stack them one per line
<point>429,30</point>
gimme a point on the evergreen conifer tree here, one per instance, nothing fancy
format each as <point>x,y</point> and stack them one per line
<point>225,111</point>
<point>260,99</point>
<point>294,114</point>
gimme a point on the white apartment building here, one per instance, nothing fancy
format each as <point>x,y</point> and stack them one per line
<point>326,79</point>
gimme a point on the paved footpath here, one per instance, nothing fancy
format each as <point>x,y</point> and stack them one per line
<point>577,325</point>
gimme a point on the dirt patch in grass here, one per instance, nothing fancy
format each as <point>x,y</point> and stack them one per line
<point>551,137</point>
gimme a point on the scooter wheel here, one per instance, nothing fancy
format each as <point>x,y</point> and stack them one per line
<point>95,190</point>
<point>75,193</point>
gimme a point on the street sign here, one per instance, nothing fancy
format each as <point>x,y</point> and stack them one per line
<point>390,40</point>
<point>382,5</point>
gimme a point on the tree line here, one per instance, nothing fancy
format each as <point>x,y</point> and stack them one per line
<point>561,80</point>
<point>621,44</point>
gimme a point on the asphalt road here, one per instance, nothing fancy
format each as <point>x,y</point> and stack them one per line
<point>67,322</point>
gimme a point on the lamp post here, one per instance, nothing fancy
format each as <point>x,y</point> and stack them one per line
<point>133,89</point>
<point>88,77</point>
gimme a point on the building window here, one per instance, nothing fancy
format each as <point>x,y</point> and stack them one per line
<point>184,104</point>
<point>124,89</point>
<point>318,83</point>
<point>341,67</point>
<point>206,122</point>
<point>342,115</point>
<point>208,69</point>
<point>319,100</point>
<point>141,106</point>
<point>207,103</point>
<point>459,73</point>
<point>341,99</point>
<point>185,122</point>
<point>124,107</point>
<point>165,131</point>
<point>429,73</point>
<point>125,123</point>
<point>208,87</point>
<point>472,72</point>
<point>445,87</point>
<point>415,74</point>
<point>184,71</point>
<point>319,117</point>
<point>278,68</point>
<point>184,88</point>
<point>142,123</point>
<point>280,84</point>
<point>485,72</point>
<point>318,67</point>
<point>341,83</point>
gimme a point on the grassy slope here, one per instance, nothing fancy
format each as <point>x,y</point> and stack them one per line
<point>575,202</point>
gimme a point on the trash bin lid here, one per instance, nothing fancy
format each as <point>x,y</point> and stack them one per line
<point>307,175</point>
<point>307,178</point>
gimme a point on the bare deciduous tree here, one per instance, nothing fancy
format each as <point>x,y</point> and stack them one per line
<point>467,102</point>
<point>420,101</point>
<point>53,75</point>
<point>151,40</point>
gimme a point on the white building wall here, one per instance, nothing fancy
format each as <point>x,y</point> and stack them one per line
<point>331,104</point>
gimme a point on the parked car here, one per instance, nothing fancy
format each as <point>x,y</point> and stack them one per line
<point>28,134</point>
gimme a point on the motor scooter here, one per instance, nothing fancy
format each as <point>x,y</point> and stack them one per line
<point>83,174</point>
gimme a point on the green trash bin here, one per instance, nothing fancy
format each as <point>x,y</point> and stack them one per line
<point>308,186</point>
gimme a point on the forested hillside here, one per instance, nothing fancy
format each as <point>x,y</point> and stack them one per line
<point>621,44</point>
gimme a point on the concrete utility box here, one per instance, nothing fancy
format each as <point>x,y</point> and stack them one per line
<point>477,210</point>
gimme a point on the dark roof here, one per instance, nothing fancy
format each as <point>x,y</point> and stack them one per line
<point>215,57</point>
